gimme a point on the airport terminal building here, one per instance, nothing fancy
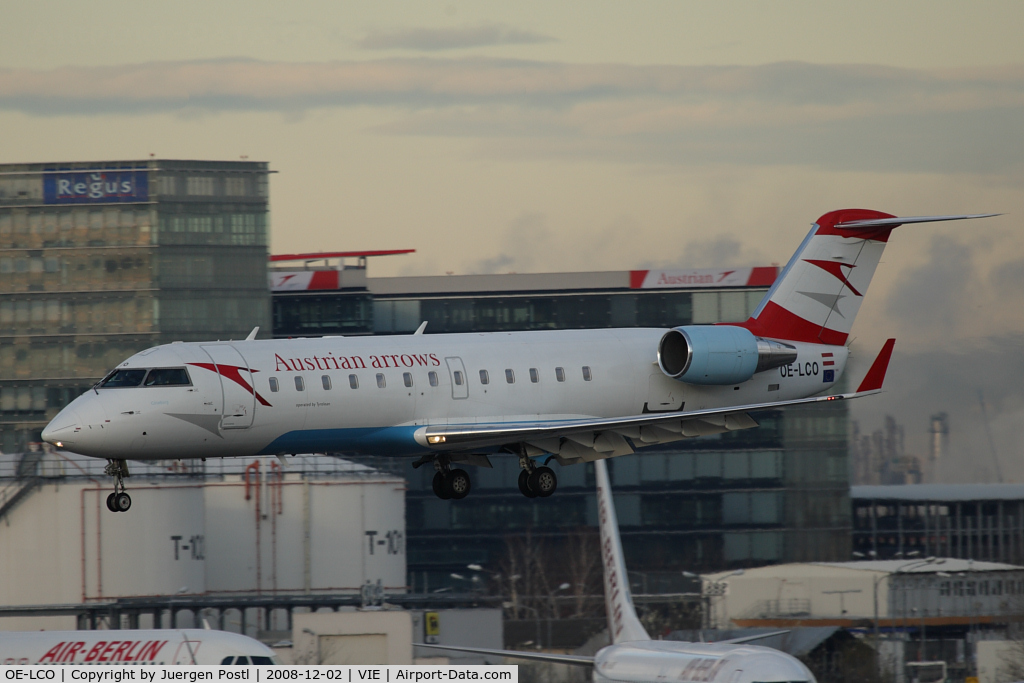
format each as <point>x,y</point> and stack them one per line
<point>99,260</point>
<point>778,493</point>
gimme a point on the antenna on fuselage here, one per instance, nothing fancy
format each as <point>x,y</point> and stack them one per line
<point>423,326</point>
<point>252,335</point>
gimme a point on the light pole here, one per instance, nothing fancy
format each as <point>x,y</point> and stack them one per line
<point>901,569</point>
<point>710,590</point>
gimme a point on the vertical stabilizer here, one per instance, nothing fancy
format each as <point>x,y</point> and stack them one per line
<point>623,624</point>
<point>818,294</point>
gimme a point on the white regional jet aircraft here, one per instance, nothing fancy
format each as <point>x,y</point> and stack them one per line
<point>112,648</point>
<point>573,395</point>
<point>633,657</point>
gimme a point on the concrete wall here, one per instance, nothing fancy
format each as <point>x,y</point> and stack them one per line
<point>352,637</point>
<point>461,627</point>
<point>994,655</point>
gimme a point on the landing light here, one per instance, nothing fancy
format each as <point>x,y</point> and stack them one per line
<point>435,439</point>
<point>59,445</point>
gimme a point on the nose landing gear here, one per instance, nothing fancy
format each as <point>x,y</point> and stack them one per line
<point>119,500</point>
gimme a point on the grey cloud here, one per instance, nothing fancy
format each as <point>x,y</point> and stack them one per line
<point>525,237</point>
<point>1009,278</point>
<point>724,251</point>
<point>850,117</point>
<point>248,84</point>
<point>437,39</point>
<point>936,296</point>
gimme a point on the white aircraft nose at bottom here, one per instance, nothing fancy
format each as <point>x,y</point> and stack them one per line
<point>62,426</point>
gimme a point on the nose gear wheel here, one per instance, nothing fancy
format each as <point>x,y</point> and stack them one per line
<point>119,500</point>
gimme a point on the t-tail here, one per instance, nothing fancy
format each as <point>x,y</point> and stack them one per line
<point>623,624</point>
<point>818,294</point>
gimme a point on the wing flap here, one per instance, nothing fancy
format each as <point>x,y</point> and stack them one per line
<point>648,428</point>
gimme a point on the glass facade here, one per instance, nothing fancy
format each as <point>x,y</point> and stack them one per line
<point>778,493</point>
<point>101,260</point>
<point>297,315</point>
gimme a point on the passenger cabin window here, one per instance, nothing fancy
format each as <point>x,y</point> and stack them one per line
<point>484,377</point>
<point>326,379</point>
<point>300,385</point>
<point>459,379</point>
<point>586,373</point>
<point>534,375</point>
<point>510,376</point>
<point>124,378</point>
<point>353,381</point>
<point>167,377</point>
<point>560,374</point>
<point>407,378</point>
<point>274,386</point>
<point>380,380</point>
<point>432,376</point>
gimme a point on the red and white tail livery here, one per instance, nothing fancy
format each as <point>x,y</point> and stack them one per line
<point>818,294</point>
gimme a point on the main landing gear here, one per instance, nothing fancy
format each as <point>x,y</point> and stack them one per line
<point>455,484</point>
<point>448,483</point>
<point>118,501</point>
<point>536,482</point>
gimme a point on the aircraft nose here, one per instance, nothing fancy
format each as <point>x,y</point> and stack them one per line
<point>62,428</point>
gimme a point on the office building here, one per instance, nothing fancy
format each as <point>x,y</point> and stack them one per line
<point>99,260</point>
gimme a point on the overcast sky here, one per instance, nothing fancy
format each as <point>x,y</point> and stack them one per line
<point>539,136</point>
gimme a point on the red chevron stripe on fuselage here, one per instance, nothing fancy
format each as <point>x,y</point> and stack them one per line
<point>233,374</point>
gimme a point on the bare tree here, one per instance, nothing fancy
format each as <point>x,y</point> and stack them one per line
<point>537,573</point>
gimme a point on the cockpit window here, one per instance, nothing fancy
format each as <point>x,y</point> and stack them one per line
<point>124,378</point>
<point>262,661</point>
<point>242,660</point>
<point>167,377</point>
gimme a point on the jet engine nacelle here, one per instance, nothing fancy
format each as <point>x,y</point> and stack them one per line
<point>719,354</point>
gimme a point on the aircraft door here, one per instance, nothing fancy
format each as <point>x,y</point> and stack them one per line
<point>239,397</point>
<point>457,375</point>
<point>187,652</point>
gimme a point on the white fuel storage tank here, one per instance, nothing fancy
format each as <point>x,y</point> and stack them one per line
<point>232,527</point>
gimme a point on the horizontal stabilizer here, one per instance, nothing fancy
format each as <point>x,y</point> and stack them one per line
<point>896,220</point>
<point>876,373</point>
<point>576,660</point>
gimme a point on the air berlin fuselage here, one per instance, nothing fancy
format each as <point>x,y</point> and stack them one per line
<point>377,395</point>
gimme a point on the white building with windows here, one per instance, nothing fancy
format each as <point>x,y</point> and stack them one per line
<point>895,595</point>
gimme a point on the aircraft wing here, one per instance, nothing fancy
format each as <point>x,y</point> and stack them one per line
<point>575,660</point>
<point>750,639</point>
<point>588,439</point>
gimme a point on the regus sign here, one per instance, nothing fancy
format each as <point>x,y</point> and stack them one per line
<point>96,187</point>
